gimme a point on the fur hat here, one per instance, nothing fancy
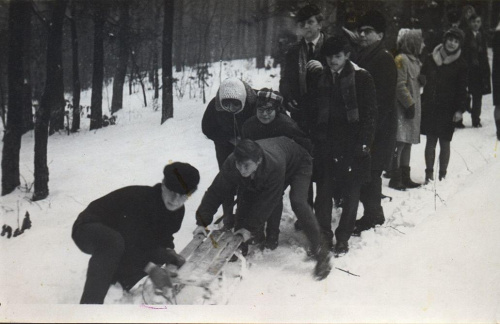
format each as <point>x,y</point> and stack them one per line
<point>454,32</point>
<point>266,95</point>
<point>375,19</point>
<point>233,88</point>
<point>306,12</point>
<point>181,178</point>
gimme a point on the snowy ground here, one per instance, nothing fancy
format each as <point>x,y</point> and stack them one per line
<point>435,259</point>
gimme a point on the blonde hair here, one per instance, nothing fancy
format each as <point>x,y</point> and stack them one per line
<point>410,41</point>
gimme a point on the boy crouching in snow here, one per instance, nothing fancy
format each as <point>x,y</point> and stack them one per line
<point>129,232</point>
<point>261,170</point>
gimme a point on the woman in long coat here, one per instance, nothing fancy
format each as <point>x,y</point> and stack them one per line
<point>443,100</point>
<point>408,108</point>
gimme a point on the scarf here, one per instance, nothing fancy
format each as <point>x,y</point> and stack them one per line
<point>441,57</point>
<point>303,61</point>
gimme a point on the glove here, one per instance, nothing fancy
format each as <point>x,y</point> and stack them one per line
<point>410,112</point>
<point>292,105</point>
<point>365,151</point>
<point>457,117</point>
<point>422,79</point>
<point>200,230</point>
<point>314,66</point>
<point>174,258</point>
<point>160,277</point>
<point>244,233</point>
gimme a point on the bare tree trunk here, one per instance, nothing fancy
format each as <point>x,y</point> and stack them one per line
<point>121,69</point>
<point>263,14</point>
<point>27,87</point>
<point>135,67</point>
<point>18,18</point>
<point>100,15</point>
<point>179,44</point>
<point>50,98</point>
<point>76,75</point>
<point>168,31</point>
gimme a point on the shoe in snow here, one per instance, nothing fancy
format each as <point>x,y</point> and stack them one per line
<point>26,222</point>
<point>6,230</point>
<point>271,243</point>
<point>323,267</point>
<point>341,248</point>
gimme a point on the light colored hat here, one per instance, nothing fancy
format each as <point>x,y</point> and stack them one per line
<point>232,88</point>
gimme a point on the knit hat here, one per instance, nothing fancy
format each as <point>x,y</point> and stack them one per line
<point>306,12</point>
<point>375,19</point>
<point>266,95</point>
<point>454,32</point>
<point>181,178</point>
<point>232,88</point>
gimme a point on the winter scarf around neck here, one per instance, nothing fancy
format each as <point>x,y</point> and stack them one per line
<point>441,57</point>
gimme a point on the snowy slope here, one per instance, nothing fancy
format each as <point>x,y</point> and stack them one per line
<point>434,260</point>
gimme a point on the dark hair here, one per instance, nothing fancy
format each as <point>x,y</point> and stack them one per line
<point>335,45</point>
<point>474,16</point>
<point>308,11</point>
<point>247,150</point>
<point>181,177</point>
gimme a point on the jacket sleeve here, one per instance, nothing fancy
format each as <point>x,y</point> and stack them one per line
<point>209,124</point>
<point>402,93</point>
<point>223,186</point>
<point>367,109</point>
<point>461,91</point>
<point>288,76</point>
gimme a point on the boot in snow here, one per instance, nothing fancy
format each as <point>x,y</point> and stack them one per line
<point>442,175</point>
<point>406,180</point>
<point>395,182</point>
<point>323,267</point>
<point>6,229</point>
<point>341,248</point>
<point>26,222</point>
<point>429,175</point>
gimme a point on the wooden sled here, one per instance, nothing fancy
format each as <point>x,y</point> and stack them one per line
<point>205,260</point>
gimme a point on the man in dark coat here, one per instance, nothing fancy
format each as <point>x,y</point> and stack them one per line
<point>373,57</point>
<point>293,82</point>
<point>129,232</point>
<point>496,77</point>
<point>222,122</point>
<point>270,122</point>
<point>342,136</point>
<point>262,170</point>
<point>475,51</point>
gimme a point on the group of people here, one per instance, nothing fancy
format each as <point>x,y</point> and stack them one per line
<point>346,110</point>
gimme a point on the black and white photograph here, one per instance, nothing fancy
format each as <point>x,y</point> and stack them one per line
<point>250,161</point>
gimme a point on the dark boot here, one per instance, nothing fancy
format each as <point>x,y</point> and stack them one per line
<point>406,180</point>
<point>395,182</point>
<point>498,129</point>
<point>323,267</point>
<point>341,248</point>
<point>442,175</point>
<point>367,222</point>
<point>429,175</point>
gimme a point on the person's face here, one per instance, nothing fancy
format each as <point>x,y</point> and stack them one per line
<point>476,24</point>
<point>310,28</point>
<point>337,61</point>
<point>266,113</point>
<point>368,36</point>
<point>469,13</point>
<point>231,105</point>
<point>171,199</point>
<point>247,168</point>
<point>451,44</point>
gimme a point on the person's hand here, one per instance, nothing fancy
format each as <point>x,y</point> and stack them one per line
<point>246,234</point>
<point>159,276</point>
<point>200,230</point>
<point>292,105</point>
<point>410,112</point>
<point>175,258</point>
<point>314,66</point>
<point>422,79</point>
<point>457,117</point>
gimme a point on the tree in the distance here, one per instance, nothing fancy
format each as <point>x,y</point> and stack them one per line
<point>51,98</point>
<point>168,29</point>
<point>75,126</point>
<point>123,55</point>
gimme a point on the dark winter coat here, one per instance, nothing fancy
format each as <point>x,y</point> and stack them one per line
<point>380,63</point>
<point>221,126</point>
<point>475,53</point>
<point>445,93</point>
<point>496,68</point>
<point>294,83</point>
<point>339,133</point>
<point>282,125</point>
<point>139,214</point>
<point>257,197</point>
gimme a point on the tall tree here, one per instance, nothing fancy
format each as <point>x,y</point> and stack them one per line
<point>18,18</point>
<point>75,126</point>
<point>100,14</point>
<point>123,53</point>
<point>51,97</point>
<point>168,32</point>
<point>27,87</point>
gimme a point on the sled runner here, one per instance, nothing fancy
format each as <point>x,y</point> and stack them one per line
<point>205,260</point>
